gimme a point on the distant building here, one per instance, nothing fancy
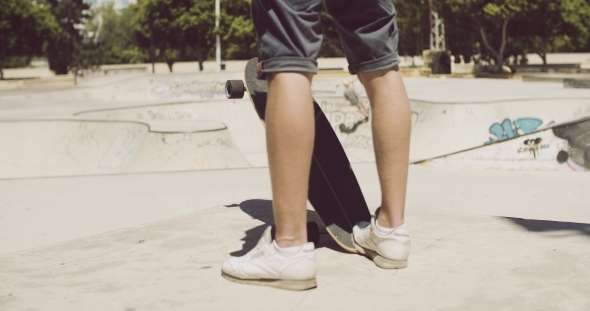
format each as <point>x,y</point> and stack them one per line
<point>119,4</point>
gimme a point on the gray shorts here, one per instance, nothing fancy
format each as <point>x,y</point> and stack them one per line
<point>290,35</point>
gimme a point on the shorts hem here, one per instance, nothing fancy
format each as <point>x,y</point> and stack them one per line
<point>289,64</point>
<point>382,63</point>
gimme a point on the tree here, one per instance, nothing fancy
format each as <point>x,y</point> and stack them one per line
<point>114,35</point>
<point>25,30</point>
<point>413,24</point>
<point>461,27</point>
<point>197,25</point>
<point>237,30</point>
<point>71,16</point>
<point>487,19</point>
<point>161,23</point>
<point>550,25</point>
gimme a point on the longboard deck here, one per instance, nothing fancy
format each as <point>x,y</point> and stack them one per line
<point>334,191</point>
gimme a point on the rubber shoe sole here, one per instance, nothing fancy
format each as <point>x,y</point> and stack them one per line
<point>282,284</point>
<point>380,261</point>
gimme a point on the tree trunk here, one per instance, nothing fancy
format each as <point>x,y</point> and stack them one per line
<point>500,63</point>
<point>541,50</point>
<point>200,58</point>
<point>545,68</point>
<point>152,51</point>
<point>499,55</point>
<point>169,62</point>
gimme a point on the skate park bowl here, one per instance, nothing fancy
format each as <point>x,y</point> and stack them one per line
<point>79,147</point>
<point>131,191</point>
<point>150,123</point>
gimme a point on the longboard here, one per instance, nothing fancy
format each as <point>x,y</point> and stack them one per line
<point>334,191</point>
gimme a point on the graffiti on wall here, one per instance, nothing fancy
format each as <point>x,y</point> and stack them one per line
<point>154,113</point>
<point>196,88</point>
<point>511,129</point>
<point>121,149</point>
<point>533,146</point>
<point>348,123</point>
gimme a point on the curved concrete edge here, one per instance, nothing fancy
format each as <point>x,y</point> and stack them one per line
<point>438,129</point>
<point>79,146</point>
<point>153,105</point>
<point>154,126</point>
<point>443,129</point>
<point>558,148</point>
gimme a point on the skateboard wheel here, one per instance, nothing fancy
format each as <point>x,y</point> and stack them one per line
<point>234,89</point>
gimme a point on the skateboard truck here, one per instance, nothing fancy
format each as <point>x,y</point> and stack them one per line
<point>234,89</point>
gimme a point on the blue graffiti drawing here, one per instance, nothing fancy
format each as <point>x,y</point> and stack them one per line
<point>528,125</point>
<point>510,129</point>
<point>120,150</point>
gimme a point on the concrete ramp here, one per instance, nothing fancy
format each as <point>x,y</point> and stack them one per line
<point>73,147</point>
<point>151,87</point>
<point>245,126</point>
<point>239,116</point>
<point>559,148</point>
<point>445,128</point>
<point>438,129</point>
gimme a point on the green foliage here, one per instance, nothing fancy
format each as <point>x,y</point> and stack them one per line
<point>164,23</point>
<point>17,62</point>
<point>26,27</point>
<point>414,26</point>
<point>551,26</point>
<point>184,30</point>
<point>114,34</point>
<point>539,26</point>
<point>197,29</point>
<point>238,39</point>
<point>501,10</point>
<point>71,16</point>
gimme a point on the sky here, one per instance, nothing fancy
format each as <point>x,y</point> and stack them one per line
<point>119,4</point>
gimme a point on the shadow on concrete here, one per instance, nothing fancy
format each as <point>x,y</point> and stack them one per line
<point>572,228</point>
<point>262,210</point>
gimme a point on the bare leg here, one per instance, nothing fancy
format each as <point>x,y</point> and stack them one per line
<point>290,128</point>
<point>391,137</point>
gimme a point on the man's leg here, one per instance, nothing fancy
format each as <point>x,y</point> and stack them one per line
<point>288,262</point>
<point>386,240</point>
<point>289,39</point>
<point>391,137</point>
<point>290,128</point>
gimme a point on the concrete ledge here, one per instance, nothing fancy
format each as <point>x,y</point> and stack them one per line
<point>46,82</point>
<point>576,83</point>
<point>124,68</point>
<point>505,76</point>
<point>535,78</point>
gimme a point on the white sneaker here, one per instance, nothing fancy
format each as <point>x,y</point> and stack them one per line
<point>388,251</point>
<point>264,265</point>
